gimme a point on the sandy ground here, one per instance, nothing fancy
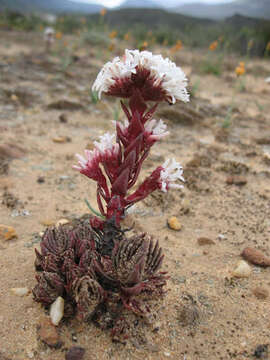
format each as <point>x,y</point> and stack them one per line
<point>206,313</point>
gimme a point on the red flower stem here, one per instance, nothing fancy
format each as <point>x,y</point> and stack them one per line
<point>101,208</point>
<point>139,166</point>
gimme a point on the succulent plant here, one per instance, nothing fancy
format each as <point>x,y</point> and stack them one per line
<point>99,271</point>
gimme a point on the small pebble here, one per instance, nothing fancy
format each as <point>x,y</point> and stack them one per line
<point>62,222</point>
<point>261,293</point>
<point>236,180</point>
<point>255,257</point>
<point>205,241</point>
<point>221,237</point>
<point>57,310</point>
<point>174,223</point>
<point>242,270</point>
<point>20,291</point>
<point>48,333</point>
<point>14,97</point>
<point>185,206</point>
<point>61,139</point>
<point>30,354</point>
<point>75,353</point>
<point>63,118</point>
<point>41,180</point>
<point>7,232</point>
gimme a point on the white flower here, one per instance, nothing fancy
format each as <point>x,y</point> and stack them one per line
<point>48,34</point>
<point>84,164</point>
<point>105,150</point>
<point>164,72</point>
<point>171,172</point>
<point>106,144</point>
<point>157,129</point>
<point>123,126</point>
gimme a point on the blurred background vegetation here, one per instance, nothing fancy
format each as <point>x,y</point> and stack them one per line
<point>143,27</point>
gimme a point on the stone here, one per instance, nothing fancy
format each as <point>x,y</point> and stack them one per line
<point>236,180</point>
<point>174,223</point>
<point>11,151</point>
<point>205,241</point>
<point>75,353</point>
<point>61,139</point>
<point>20,291</point>
<point>255,257</point>
<point>47,333</point>
<point>260,292</point>
<point>57,310</point>
<point>7,232</point>
<point>62,222</point>
<point>242,270</point>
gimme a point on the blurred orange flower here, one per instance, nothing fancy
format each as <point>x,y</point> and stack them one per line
<point>103,12</point>
<point>83,20</point>
<point>178,46</point>
<point>240,69</point>
<point>127,36</point>
<point>113,34</point>
<point>58,35</point>
<point>213,45</point>
<point>143,46</point>
<point>268,46</point>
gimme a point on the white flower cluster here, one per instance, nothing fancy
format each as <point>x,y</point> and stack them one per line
<point>83,163</point>
<point>157,128</point>
<point>171,172</point>
<point>104,149</point>
<point>171,78</point>
<point>106,144</point>
<point>48,34</point>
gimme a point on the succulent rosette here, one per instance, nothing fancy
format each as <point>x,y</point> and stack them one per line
<point>95,266</point>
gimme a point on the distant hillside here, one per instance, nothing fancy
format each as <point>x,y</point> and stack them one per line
<point>250,8</point>
<point>139,4</point>
<point>151,19</point>
<point>49,6</point>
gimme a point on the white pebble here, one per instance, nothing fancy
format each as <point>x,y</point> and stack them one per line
<point>57,310</point>
<point>242,270</point>
<point>20,291</point>
<point>62,222</point>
